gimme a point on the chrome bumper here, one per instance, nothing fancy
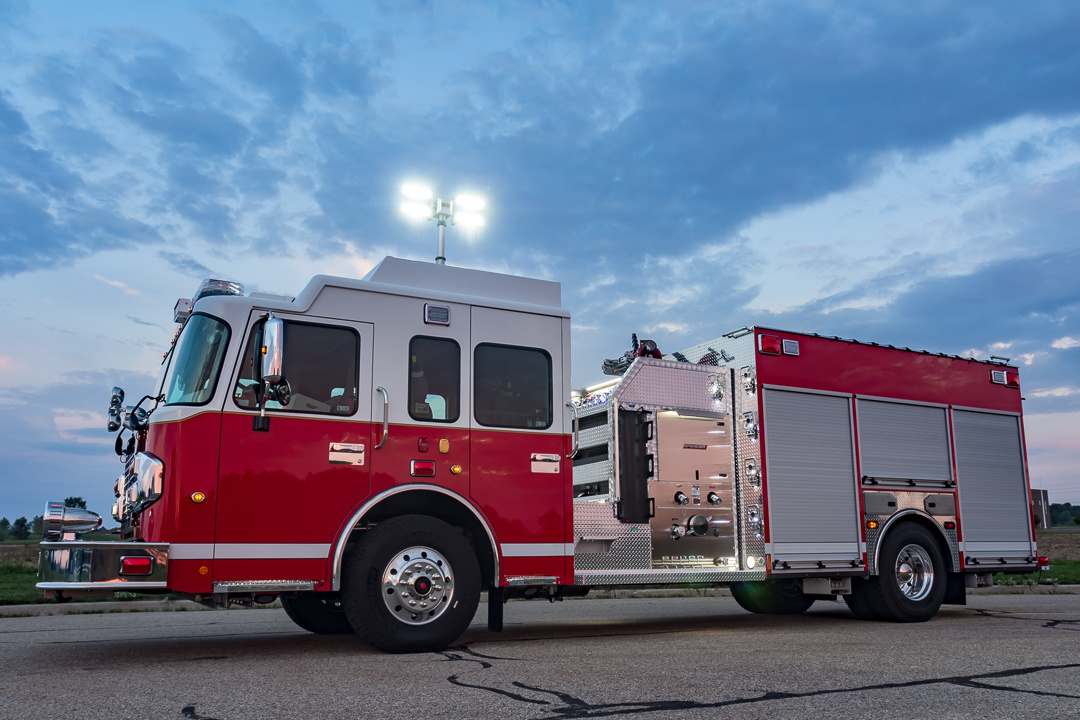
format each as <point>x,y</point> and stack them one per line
<point>78,568</point>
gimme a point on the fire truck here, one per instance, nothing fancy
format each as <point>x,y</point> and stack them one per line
<point>377,453</point>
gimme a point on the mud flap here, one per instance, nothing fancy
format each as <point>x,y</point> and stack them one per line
<point>955,590</point>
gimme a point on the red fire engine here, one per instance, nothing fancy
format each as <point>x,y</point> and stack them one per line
<point>378,452</point>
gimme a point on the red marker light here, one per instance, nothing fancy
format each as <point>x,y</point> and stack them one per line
<point>1012,378</point>
<point>768,344</point>
<point>422,468</point>
<point>136,565</point>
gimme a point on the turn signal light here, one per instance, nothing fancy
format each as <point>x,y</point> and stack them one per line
<point>136,565</point>
<point>768,344</point>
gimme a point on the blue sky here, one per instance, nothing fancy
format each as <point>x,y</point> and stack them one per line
<point>898,172</point>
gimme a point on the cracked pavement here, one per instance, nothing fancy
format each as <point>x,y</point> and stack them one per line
<point>700,657</point>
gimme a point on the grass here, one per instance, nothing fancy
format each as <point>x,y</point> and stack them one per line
<point>1061,572</point>
<point>17,584</point>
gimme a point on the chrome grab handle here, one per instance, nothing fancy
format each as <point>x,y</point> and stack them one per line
<point>385,416</point>
<point>573,409</point>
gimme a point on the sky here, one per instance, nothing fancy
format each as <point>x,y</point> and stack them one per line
<point>897,172</point>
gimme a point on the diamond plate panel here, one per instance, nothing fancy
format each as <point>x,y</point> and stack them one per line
<point>593,472</point>
<point>651,382</point>
<point>629,546</point>
<point>909,503</point>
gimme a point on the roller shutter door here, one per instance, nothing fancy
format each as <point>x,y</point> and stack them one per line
<point>811,477</point>
<point>994,507</point>
<point>898,441</point>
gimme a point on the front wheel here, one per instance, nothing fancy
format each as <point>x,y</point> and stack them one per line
<point>772,597</point>
<point>316,613</point>
<point>411,585</point>
<point>910,586</point>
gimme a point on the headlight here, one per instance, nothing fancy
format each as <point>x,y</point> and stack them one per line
<point>146,483</point>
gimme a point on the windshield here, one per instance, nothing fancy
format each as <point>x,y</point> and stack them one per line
<point>196,363</point>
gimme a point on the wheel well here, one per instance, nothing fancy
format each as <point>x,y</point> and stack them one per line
<point>443,507</point>
<point>935,532</point>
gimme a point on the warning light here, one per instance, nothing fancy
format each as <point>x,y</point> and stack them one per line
<point>950,525</point>
<point>768,344</point>
<point>1012,378</point>
<point>871,524</point>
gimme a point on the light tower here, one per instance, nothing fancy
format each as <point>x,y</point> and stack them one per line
<point>422,204</point>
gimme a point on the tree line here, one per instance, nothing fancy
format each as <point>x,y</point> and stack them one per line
<point>1065,514</point>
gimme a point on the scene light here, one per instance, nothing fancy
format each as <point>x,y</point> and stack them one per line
<point>469,202</point>
<point>464,210</point>
<point>416,191</point>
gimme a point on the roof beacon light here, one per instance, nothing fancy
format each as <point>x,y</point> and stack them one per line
<point>217,287</point>
<point>768,344</point>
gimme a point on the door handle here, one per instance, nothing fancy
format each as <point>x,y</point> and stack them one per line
<point>576,425</point>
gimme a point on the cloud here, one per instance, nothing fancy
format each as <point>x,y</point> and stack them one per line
<point>117,284</point>
<point>1065,343</point>
<point>1057,392</point>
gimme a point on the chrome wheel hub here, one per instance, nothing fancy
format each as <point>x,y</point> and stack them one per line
<point>417,585</point>
<point>914,572</point>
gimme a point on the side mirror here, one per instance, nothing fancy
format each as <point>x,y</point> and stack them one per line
<point>115,409</point>
<point>272,350</point>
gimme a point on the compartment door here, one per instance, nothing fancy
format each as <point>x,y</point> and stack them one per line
<point>811,483</point>
<point>994,508</point>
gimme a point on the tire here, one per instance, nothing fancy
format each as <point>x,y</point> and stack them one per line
<point>412,584</point>
<point>772,597</point>
<point>910,586</point>
<point>859,601</point>
<point>316,613</point>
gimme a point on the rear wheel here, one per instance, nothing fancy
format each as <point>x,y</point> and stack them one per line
<point>772,597</point>
<point>316,613</point>
<point>910,586</point>
<point>411,585</point>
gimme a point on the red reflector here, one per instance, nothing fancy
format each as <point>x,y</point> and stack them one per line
<point>422,445</point>
<point>136,565</point>
<point>1012,378</point>
<point>422,468</point>
<point>768,344</point>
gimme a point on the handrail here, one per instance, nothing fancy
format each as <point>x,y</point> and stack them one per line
<point>385,416</point>
<point>576,423</point>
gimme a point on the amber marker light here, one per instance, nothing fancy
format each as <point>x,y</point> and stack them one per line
<point>871,524</point>
<point>204,570</point>
<point>455,469</point>
<point>197,497</point>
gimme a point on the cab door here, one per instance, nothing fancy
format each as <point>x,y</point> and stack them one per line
<point>521,478</point>
<point>286,491</point>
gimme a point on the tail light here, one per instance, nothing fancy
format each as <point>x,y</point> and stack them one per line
<point>1043,563</point>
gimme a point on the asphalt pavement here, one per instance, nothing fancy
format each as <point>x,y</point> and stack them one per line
<point>1002,655</point>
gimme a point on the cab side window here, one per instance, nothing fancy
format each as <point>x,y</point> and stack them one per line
<point>320,363</point>
<point>512,386</point>
<point>434,379</point>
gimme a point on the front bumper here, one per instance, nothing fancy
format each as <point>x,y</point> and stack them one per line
<point>79,569</point>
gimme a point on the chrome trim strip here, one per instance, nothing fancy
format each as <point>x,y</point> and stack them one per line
<point>191,551</point>
<point>339,548</point>
<point>536,549</point>
<point>117,585</point>
<point>271,551</point>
